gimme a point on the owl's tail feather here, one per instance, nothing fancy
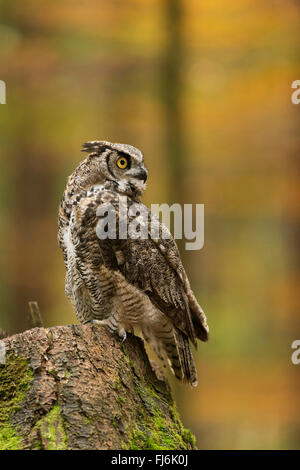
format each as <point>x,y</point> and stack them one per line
<point>173,355</point>
<point>161,339</point>
<point>187,363</point>
<point>154,344</point>
<point>172,344</point>
<point>198,318</point>
<point>178,351</point>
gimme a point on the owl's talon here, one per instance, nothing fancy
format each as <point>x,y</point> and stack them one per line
<point>122,333</point>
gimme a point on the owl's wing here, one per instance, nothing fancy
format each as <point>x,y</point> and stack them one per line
<point>154,266</point>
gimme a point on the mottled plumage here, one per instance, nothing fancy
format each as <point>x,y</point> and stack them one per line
<point>126,283</point>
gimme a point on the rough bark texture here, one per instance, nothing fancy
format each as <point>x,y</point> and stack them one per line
<point>80,387</point>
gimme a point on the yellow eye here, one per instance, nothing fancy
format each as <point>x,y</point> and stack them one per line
<point>122,162</point>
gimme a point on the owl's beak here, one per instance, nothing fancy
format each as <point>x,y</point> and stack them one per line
<point>142,175</point>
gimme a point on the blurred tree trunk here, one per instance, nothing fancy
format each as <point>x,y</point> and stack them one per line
<point>80,387</point>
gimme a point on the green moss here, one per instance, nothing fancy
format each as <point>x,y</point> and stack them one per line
<point>127,358</point>
<point>189,438</point>
<point>9,438</point>
<point>15,378</point>
<point>187,435</point>
<point>117,385</point>
<point>116,421</point>
<point>52,372</point>
<point>157,425</point>
<point>52,431</point>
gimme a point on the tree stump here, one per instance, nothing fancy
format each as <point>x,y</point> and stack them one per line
<point>80,387</point>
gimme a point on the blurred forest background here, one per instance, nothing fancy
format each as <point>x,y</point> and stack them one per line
<point>204,89</point>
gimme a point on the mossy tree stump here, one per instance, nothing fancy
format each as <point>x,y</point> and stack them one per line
<point>80,387</point>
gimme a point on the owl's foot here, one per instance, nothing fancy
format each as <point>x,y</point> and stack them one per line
<point>112,326</point>
<point>93,322</point>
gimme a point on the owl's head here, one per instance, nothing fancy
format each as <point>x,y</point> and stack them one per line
<point>120,164</point>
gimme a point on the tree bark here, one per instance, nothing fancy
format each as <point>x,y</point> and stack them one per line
<point>81,387</point>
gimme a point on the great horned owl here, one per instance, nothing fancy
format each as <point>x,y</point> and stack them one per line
<point>126,283</point>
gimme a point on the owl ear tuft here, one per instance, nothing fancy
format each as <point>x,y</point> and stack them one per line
<point>95,146</point>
